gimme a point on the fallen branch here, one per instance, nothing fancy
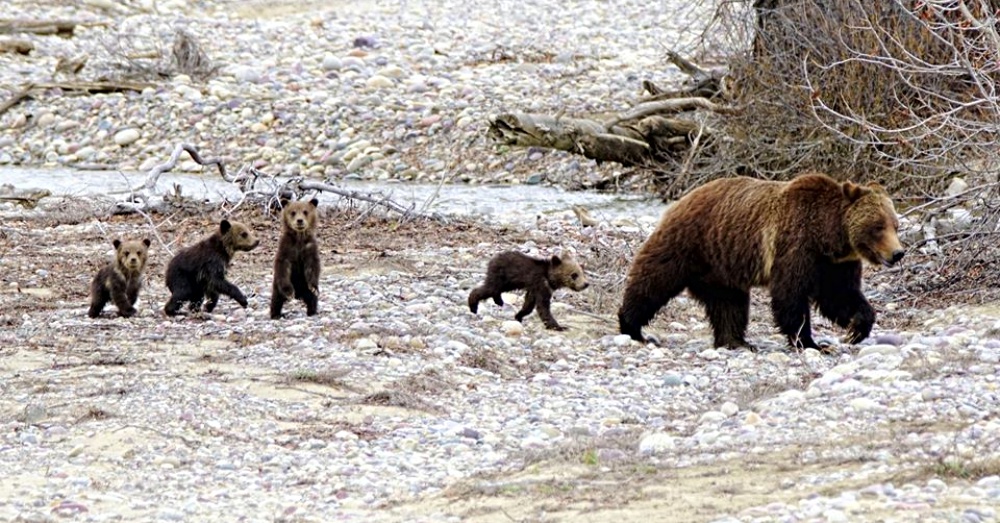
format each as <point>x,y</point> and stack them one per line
<point>16,99</point>
<point>64,28</point>
<point>16,46</point>
<point>159,169</point>
<point>301,185</point>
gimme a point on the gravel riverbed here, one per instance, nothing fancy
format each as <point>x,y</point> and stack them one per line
<point>395,403</point>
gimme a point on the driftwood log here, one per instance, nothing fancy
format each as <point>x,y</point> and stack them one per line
<point>87,87</point>
<point>9,45</point>
<point>63,28</point>
<point>661,129</point>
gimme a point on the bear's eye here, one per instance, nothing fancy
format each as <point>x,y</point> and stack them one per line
<point>574,276</point>
<point>244,235</point>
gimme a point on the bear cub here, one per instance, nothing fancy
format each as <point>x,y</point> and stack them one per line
<point>296,264</point>
<point>120,280</point>
<point>199,271</point>
<point>513,270</point>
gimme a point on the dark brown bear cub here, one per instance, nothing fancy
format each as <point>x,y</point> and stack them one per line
<point>199,271</point>
<point>119,281</point>
<point>804,240</point>
<point>296,265</point>
<point>513,270</point>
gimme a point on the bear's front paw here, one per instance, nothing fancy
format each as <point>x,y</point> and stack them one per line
<point>555,327</point>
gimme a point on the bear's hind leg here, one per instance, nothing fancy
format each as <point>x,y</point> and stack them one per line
<point>728,311</point>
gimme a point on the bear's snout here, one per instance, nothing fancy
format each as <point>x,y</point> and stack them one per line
<point>896,256</point>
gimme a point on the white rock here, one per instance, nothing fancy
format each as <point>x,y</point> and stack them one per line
<point>378,82</point>
<point>622,340</point>
<point>865,405</point>
<point>657,443</point>
<point>365,344</point>
<point>709,354</point>
<point>331,62</point>
<point>126,136</point>
<point>956,187</point>
<point>729,408</point>
<point>512,328</point>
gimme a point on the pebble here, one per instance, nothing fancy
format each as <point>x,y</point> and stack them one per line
<point>126,136</point>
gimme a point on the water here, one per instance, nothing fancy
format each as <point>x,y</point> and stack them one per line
<point>514,204</point>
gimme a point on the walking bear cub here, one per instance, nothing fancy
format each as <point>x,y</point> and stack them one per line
<point>803,239</point>
<point>296,264</point>
<point>199,271</point>
<point>513,270</point>
<point>120,280</point>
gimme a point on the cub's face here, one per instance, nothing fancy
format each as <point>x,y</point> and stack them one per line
<point>238,236</point>
<point>300,216</point>
<point>568,272</point>
<point>131,255</point>
<point>872,225</point>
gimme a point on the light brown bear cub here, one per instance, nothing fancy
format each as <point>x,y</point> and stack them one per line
<point>513,270</point>
<point>296,264</point>
<point>199,271</point>
<point>120,280</point>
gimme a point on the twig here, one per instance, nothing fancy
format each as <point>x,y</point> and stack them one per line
<point>16,99</point>
<point>189,443</point>
<point>156,171</point>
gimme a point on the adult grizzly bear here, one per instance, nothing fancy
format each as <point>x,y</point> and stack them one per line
<point>199,271</point>
<point>296,264</point>
<point>803,239</point>
<point>119,281</point>
<point>512,270</point>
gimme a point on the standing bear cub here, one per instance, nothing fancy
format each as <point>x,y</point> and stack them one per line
<point>297,265</point>
<point>120,280</point>
<point>199,271</point>
<point>513,270</point>
<point>803,239</point>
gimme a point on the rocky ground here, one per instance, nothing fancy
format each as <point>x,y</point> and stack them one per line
<point>395,403</point>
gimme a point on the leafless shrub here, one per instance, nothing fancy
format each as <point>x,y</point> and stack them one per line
<point>398,398</point>
<point>623,444</point>
<point>140,53</point>
<point>485,359</point>
<point>330,378</point>
<point>427,381</point>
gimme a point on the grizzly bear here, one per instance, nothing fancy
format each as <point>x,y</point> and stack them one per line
<point>199,271</point>
<point>119,281</point>
<point>296,264</point>
<point>513,270</point>
<point>803,239</point>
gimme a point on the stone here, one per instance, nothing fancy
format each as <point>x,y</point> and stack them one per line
<point>126,136</point>
<point>656,443</point>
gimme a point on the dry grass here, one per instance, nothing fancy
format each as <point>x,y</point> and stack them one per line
<point>330,378</point>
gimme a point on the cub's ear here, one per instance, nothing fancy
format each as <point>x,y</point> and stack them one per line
<point>283,202</point>
<point>314,202</point>
<point>224,226</point>
<point>853,191</point>
<point>556,260</point>
<point>116,243</point>
<point>146,242</point>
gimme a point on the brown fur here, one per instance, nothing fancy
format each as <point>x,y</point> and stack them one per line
<point>513,270</point>
<point>199,271</point>
<point>297,264</point>
<point>120,280</point>
<point>803,239</point>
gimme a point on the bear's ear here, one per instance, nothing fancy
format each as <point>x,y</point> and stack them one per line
<point>116,243</point>
<point>314,202</point>
<point>224,226</point>
<point>283,202</point>
<point>146,242</point>
<point>556,260</point>
<point>853,191</point>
